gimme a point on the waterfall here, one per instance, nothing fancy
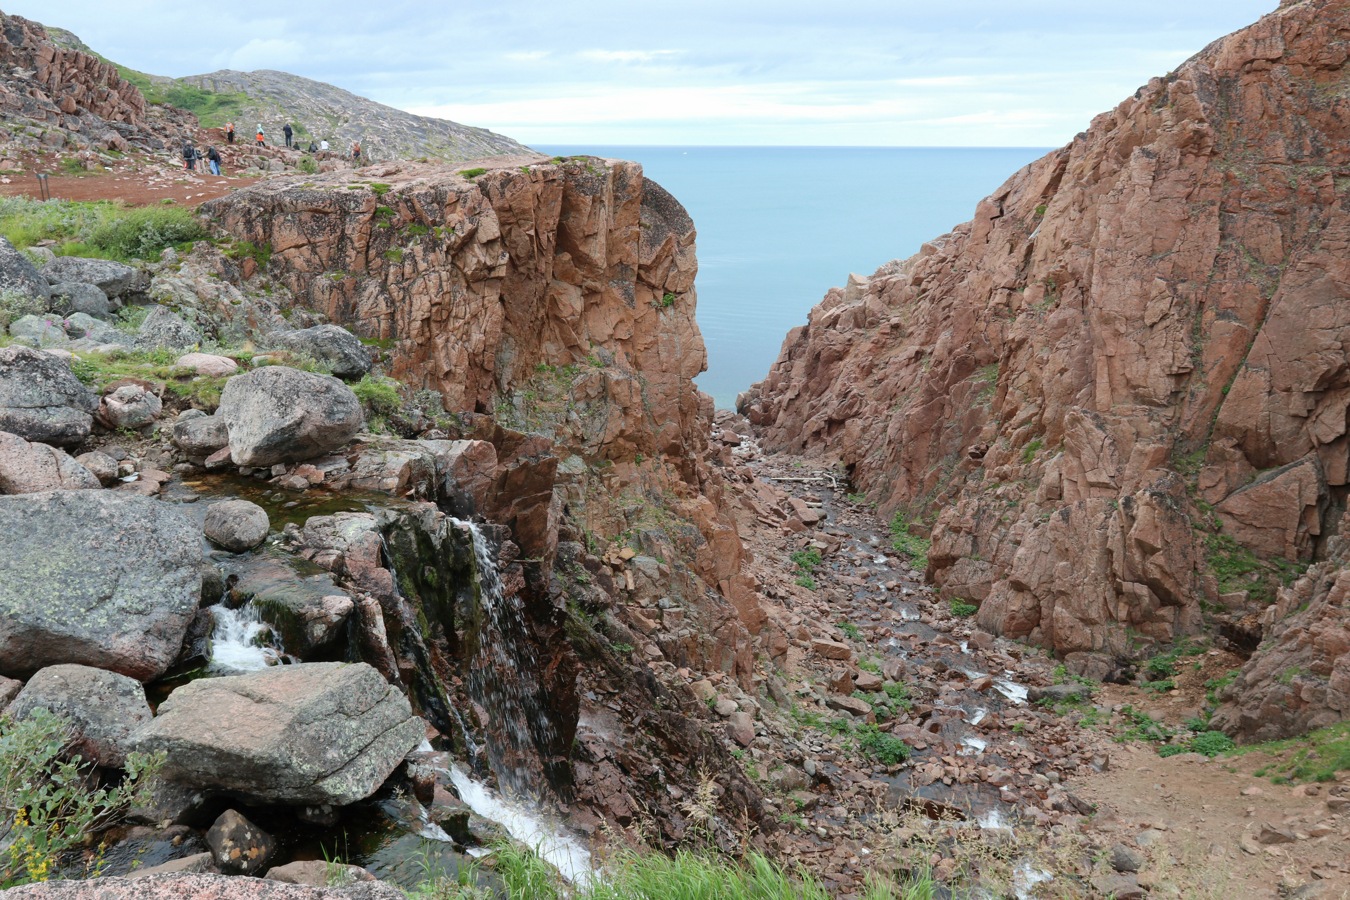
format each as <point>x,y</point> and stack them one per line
<point>241,641</point>
<point>503,679</point>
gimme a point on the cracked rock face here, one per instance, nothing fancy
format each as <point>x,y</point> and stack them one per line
<point>320,733</point>
<point>1149,315</point>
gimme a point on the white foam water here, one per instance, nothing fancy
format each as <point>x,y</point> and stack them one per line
<point>1015,692</point>
<point>558,849</point>
<point>238,643</point>
<point>974,744</point>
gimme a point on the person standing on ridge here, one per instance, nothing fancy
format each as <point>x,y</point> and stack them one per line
<point>356,152</point>
<point>323,146</point>
<point>313,147</point>
<point>287,132</point>
<point>261,141</point>
<point>189,156</point>
<point>213,157</point>
<point>229,132</point>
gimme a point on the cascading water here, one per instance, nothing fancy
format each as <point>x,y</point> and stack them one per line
<point>241,641</point>
<point>502,679</point>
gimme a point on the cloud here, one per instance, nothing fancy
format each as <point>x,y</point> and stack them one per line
<point>627,56</point>
<point>264,53</point>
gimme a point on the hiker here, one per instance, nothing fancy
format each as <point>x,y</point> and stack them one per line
<point>323,146</point>
<point>313,147</point>
<point>189,156</point>
<point>356,152</point>
<point>261,141</point>
<point>286,130</point>
<point>229,132</point>
<point>213,157</point>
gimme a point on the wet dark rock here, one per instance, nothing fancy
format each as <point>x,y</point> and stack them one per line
<point>238,846</point>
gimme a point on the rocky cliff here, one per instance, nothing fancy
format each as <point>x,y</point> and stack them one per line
<point>53,95</point>
<point>1116,399</point>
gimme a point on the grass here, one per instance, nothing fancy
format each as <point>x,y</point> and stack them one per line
<point>687,874</point>
<point>101,229</point>
<point>101,369</point>
<point>911,546</point>
<point>1030,450</point>
<point>1237,568</point>
<point>472,173</point>
<point>212,108</point>
<point>806,562</point>
<point>1317,756</point>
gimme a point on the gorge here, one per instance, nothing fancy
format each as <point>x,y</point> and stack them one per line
<point>394,484</point>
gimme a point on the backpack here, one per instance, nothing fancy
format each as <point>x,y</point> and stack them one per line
<point>188,151</point>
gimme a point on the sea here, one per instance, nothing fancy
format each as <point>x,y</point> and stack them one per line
<point>778,226</point>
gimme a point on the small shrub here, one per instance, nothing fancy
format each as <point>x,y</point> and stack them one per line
<point>259,253</point>
<point>913,547</point>
<point>48,802</point>
<point>14,306</point>
<point>851,630</point>
<point>1030,450</point>
<point>886,749</point>
<point>963,609</point>
<point>378,395</point>
<point>667,300</point>
<point>1211,743</point>
<point>472,173</point>
<point>379,188</point>
<point>308,165</point>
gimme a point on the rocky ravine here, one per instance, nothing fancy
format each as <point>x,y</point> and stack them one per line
<point>1117,398</point>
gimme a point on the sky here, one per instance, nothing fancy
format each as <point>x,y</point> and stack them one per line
<point>994,73</point>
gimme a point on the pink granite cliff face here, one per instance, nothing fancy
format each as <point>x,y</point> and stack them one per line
<point>1127,372</point>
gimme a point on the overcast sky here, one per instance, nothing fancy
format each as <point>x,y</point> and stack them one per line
<point>848,72</point>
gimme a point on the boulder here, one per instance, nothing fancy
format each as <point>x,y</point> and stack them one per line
<point>238,846</point>
<point>100,465</point>
<point>307,734</point>
<point>40,400</point>
<point>83,325</point>
<point>467,471</point>
<point>129,406</point>
<point>18,275</point>
<point>199,435</point>
<point>236,525</point>
<point>330,345</point>
<point>101,707</point>
<point>208,364</point>
<point>29,468</point>
<point>318,872</point>
<point>165,329</point>
<point>115,279</point>
<point>70,297</point>
<point>106,579</point>
<point>278,414</point>
<point>38,331</point>
<point>175,886</point>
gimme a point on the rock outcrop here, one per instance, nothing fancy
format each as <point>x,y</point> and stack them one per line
<point>101,708</point>
<point>51,90</point>
<point>319,733</point>
<point>40,400</point>
<point>1144,321</point>
<point>197,887</point>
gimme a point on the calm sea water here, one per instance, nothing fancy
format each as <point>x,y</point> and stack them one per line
<point>778,226</point>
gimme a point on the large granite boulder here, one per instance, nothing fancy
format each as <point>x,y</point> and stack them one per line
<point>334,346</point>
<point>39,331</point>
<point>163,328</point>
<point>18,275</point>
<point>100,578</point>
<point>278,414</point>
<point>199,435</point>
<point>197,887</point>
<point>308,734</point>
<point>131,405</point>
<point>115,279</point>
<point>40,400</point>
<point>101,707</point>
<point>69,297</point>
<point>30,468</point>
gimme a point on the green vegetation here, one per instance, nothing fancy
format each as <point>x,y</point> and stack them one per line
<point>98,370</point>
<point>1040,210</point>
<point>380,188</point>
<point>850,630</point>
<point>308,165</point>
<point>472,173</point>
<point>394,254</point>
<point>259,253</point>
<point>1030,450</point>
<point>14,305</point>
<point>1237,568</point>
<point>1316,756</point>
<point>103,229</point>
<point>212,108</point>
<point>667,300</point>
<point>49,801</point>
<point>1163,666</point>
<point>962,608</point>
<point>886,749</point>
<point>380,398</point>
<point>911,546</point>
<point>1140,726</point>
<point>806,562</point>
